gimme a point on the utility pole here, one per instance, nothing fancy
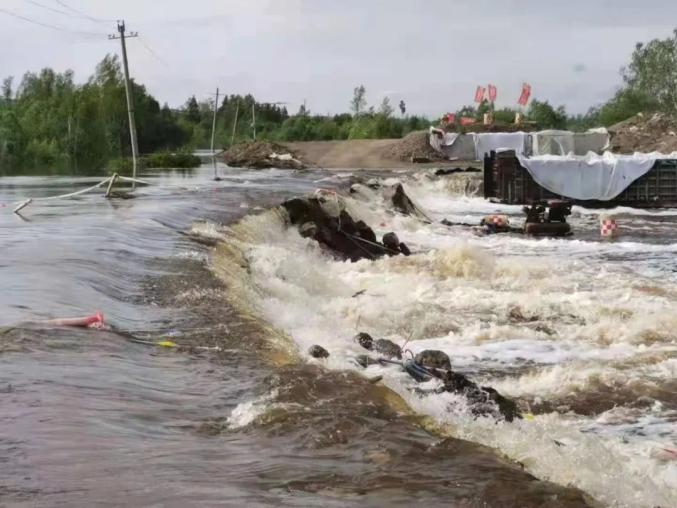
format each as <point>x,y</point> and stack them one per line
<point>254,119</point>
<point>237,110</point>
<point>128,92</point>
<point>216,107</point>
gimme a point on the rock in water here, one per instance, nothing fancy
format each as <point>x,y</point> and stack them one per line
<point>483,399</point>
<point>401,202</point>
<point>391,241</point>
<point>433,359</point>
<point>388,348</point>
<point>318,352</point>
<point>345,237</point>
<point>365,340</point>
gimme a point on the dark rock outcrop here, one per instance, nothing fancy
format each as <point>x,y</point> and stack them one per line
<point>386,348</point>
<point>432,358</point>
<point>318,351</point>
<point>401,202</point>
<point>345,237</point>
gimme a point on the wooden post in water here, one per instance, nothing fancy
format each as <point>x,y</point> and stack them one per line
<point>232,136</point>
<point>254,119</point>
<point>216,107</point>
<point>128,93</point>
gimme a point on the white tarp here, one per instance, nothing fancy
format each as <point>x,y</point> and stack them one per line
<point>440,139</point>
<point>599,177</point>
<point>552,142</point>
<point>592,140</point>
<point>462,149</point>
<point>485,142</point>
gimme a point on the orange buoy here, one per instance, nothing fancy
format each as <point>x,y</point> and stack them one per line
<point>608,228</point>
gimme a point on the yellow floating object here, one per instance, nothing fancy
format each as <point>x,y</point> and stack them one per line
<point>167,343</point>
<point>528,417</point>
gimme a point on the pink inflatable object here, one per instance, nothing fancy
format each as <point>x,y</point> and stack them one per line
<point>95,321</point>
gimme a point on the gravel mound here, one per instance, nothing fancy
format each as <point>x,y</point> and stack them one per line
<point>413,145</point>
<point>262,155</point>
<point>645,133</point>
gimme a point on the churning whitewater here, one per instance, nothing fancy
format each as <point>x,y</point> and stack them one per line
<point>580,332</point>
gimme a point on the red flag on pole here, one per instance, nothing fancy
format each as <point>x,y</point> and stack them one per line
<point>524,97</point>
<point>479,94</point>
<point>492,93</point>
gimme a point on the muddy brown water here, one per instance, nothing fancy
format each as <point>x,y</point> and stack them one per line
<point>96,418</point>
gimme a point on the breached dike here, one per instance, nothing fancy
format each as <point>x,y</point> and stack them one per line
<point>345,237</point>
<point>473,300</point>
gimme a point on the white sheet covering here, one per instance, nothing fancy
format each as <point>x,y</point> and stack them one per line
<point>552,142</point>
<point>440,142</point>
<point>485,142</point>
<point>599,177</point>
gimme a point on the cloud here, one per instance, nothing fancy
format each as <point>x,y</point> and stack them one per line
<point>432,55</point>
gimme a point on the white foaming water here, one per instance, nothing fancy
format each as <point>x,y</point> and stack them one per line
<point>540,320</point>
<point>247,412</point>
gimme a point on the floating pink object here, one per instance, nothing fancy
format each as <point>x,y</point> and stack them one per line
<point>94,321</point>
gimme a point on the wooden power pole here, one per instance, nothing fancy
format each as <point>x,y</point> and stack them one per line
<point>216,107</point>
<point>237,110</point>
<point>254,120</point>
<point>128,92</point>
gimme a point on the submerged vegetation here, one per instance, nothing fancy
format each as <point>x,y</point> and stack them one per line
<point>49,122</point>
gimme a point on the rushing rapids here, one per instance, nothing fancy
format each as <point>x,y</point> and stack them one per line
<point>579,331</point>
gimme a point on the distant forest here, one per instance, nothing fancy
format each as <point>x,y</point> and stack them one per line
<point>48,121</point>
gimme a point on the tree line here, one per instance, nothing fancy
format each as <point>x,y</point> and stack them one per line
<point>48,121</point>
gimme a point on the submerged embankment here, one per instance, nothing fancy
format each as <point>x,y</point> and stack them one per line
<point>235,414</point>
<point>579,331</point>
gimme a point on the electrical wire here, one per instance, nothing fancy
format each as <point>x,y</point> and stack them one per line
<point>150,50</point>
<point>84,14</point>
<point>47,25</point>
<point>43,6</point>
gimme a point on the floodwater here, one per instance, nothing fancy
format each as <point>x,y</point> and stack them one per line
<point>579,331</point>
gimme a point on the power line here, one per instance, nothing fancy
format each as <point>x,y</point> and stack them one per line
<point>84,14</point>
<point>153,53</point>
<point>49,8</point>
<point>47,25</point>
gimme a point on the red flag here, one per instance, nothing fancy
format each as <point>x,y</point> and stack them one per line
<point>479,94</point>
<point>524,97</point>
<point>450,118</point>
<point>492,93</point>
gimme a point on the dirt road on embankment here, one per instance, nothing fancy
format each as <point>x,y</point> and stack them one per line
<point>353,154</point>
<point>357,153</point>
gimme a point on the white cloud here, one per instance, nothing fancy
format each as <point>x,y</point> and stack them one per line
<point>432,53</point>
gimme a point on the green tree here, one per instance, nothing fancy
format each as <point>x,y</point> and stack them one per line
<point>359,101</point>
<point>547,117</point>
<point>386,108</point>
<point>7,88</point>
<point>652,72</point>
<point>192,110</point>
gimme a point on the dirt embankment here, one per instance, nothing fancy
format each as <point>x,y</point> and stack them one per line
<point>370,153</point>
<point>262,155</point>
<point>645,133</point>
<point>344,154</point>
<point>353,153</point>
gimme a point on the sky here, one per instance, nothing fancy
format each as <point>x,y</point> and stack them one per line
<point>430,53</point>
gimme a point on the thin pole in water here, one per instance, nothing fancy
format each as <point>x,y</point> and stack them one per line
<point>237,110</point>
<point>216,106</point>
<point>254,119</point>
<point>128,93</point>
